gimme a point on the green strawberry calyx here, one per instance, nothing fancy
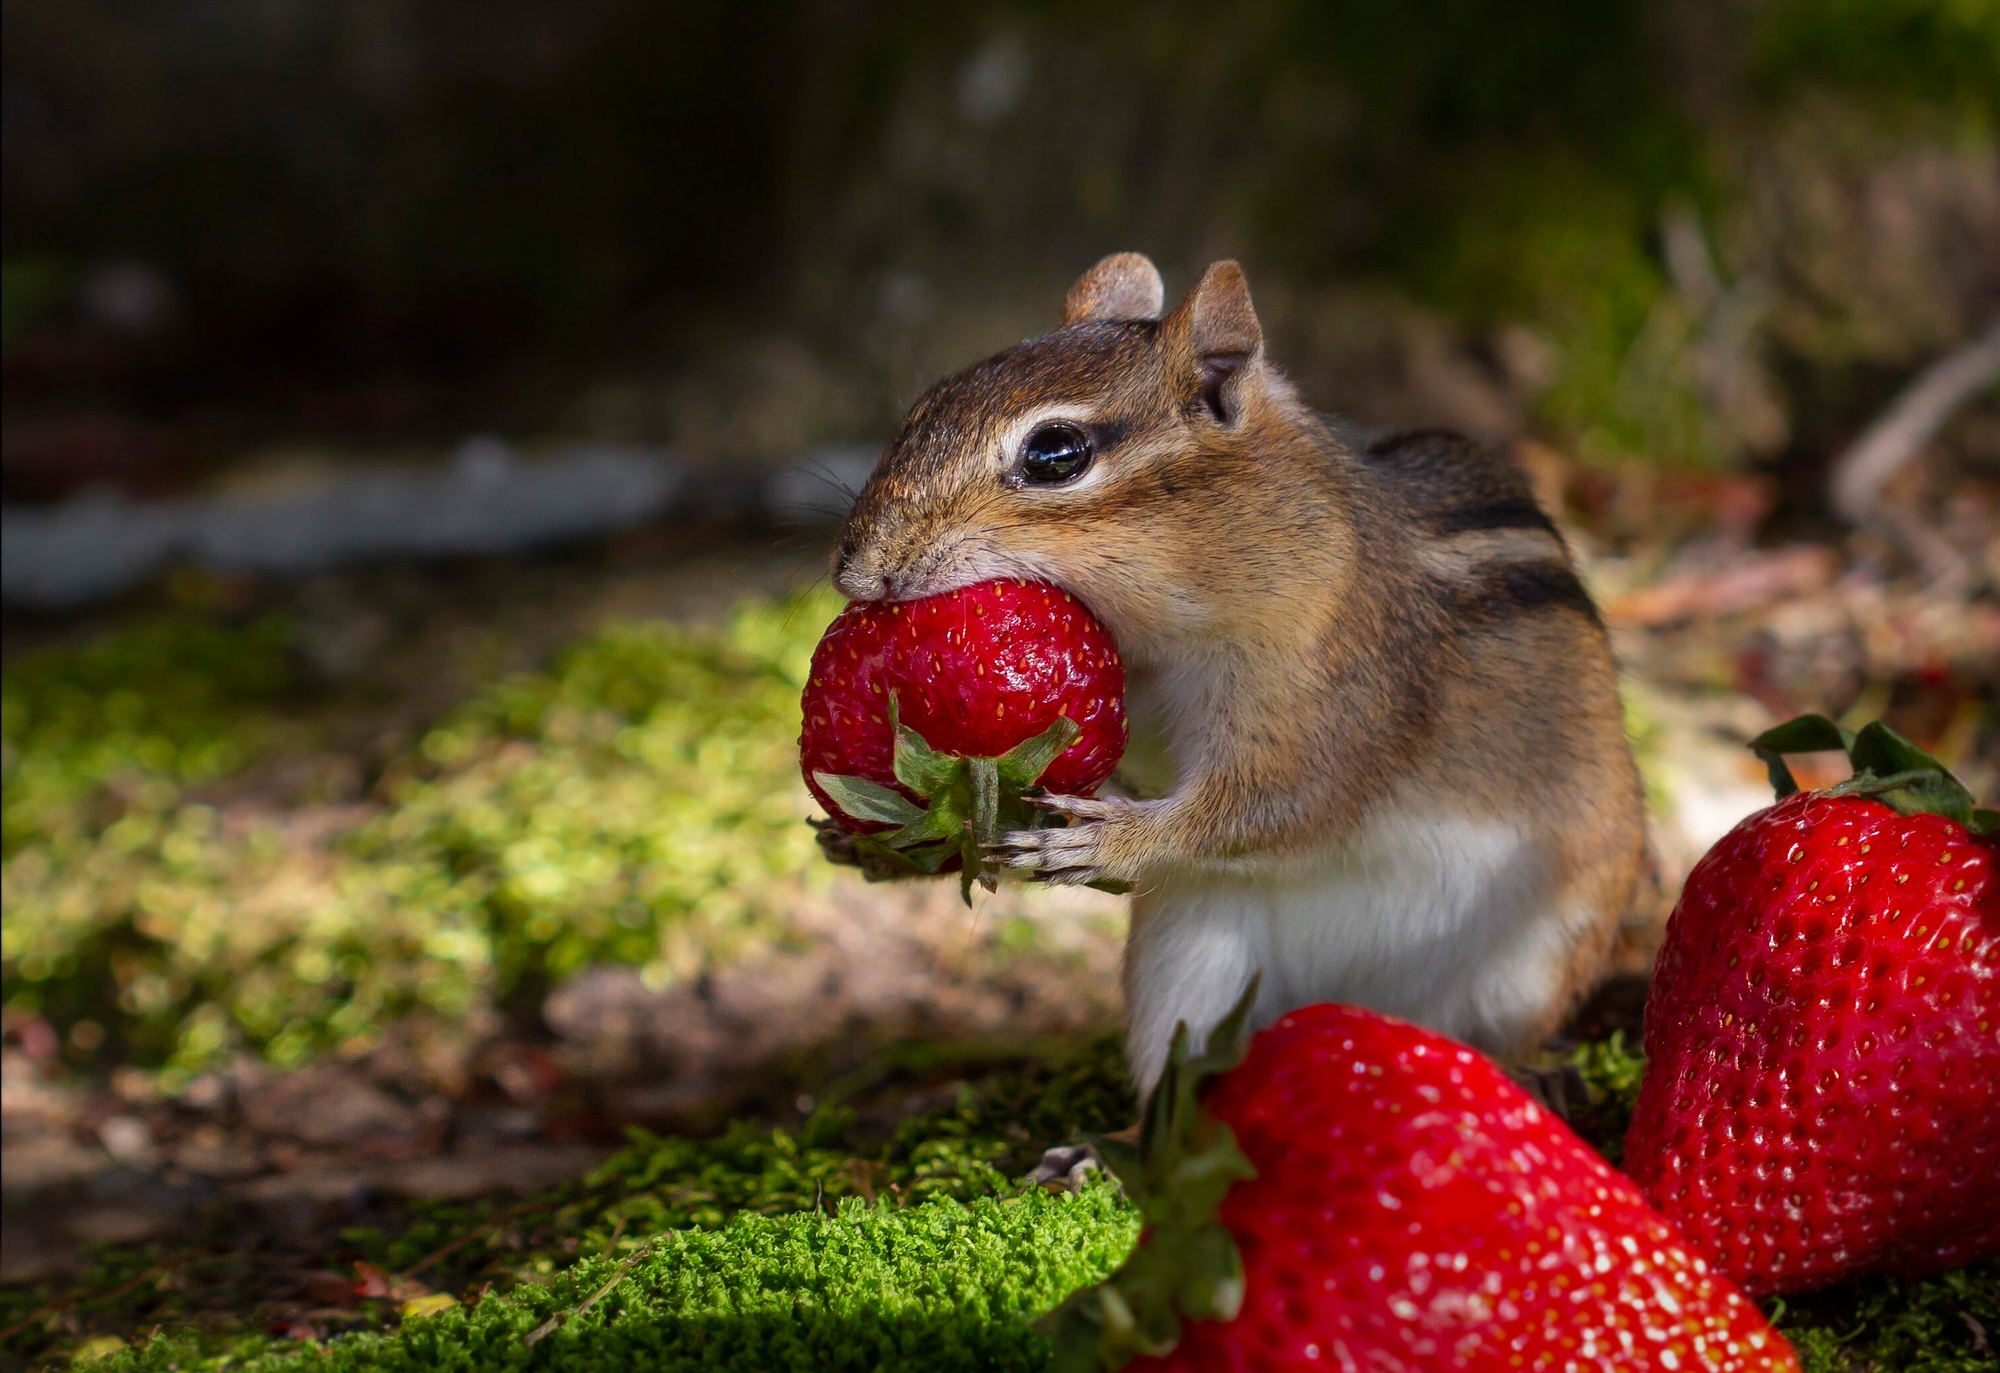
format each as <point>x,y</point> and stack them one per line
<point>1887,768</point>
<point>968,804</point>
<point>1186,1263</point>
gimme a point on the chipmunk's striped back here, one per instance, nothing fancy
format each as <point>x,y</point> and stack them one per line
<point>1476,527</point>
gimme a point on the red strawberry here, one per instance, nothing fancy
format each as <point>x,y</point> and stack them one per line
<point>1398,1206</point>
<point>1822,1089</point>
<point>960,702</point>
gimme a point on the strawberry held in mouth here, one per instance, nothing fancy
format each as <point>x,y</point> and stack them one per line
<point>926,721</point>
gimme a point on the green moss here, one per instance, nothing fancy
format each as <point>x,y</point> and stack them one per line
<point>639,804</point>
<point>990,1135</point>
<point>636,803</point>
<point>1610,1069</point>
<point>1946,1324</point>
<point>970,1151</point>
<point>947,1267</point>
<point>99,746</point>
<point>145,712</point>
<point>933,1287</point>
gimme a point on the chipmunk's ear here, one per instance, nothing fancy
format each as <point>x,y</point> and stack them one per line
<point>1213,336</point>
<point>1119,289</point>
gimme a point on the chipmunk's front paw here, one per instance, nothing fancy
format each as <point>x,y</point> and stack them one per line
<point>1103,842</point>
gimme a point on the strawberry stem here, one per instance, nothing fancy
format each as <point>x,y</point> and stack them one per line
<point>1887,767</point>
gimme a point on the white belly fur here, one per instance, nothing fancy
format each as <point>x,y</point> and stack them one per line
<point>1440,919</point>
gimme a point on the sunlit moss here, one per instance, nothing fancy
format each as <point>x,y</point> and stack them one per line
<point>138,715</point>
<point>638,802</point>
<point>933,1287</point>
<point>1939,1325</point>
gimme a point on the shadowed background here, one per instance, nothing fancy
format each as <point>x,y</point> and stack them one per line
<point>1708,234</point>
<point>423,423</point>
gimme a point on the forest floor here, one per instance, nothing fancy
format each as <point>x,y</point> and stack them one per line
<point>481,1141</point>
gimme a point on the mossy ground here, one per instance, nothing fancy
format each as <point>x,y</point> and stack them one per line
<point>765,1249</point>
<point>618,807</point>
<point>636,803</point>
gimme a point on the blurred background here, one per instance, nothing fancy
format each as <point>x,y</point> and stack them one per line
<point>423,422</point>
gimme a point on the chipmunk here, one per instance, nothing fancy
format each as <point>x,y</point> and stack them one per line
<point>1397,773</point>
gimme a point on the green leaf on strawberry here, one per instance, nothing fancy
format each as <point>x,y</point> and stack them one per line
<point>866,800</point>
<point>969,802</point>
<point>1183,1166</point>
<point>1887,766</point>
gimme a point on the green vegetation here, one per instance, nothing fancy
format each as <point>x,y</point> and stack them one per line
<point>1945,1324</point>
<point>1610,1069</point>
<point>129,720</point>
<point>764,1249</point>
<point>1519,163</point>
<point>30,288</point>
<point>930,1246</point>
<point>638,802</point>
<point>1504,163</point>
<point>634,802</point>
<point>933,1287</point>
<point>1910,56</point>
<point>973,1148</point>
<point>99,745</point>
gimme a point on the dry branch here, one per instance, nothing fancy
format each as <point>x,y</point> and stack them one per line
<point>1902,433</point>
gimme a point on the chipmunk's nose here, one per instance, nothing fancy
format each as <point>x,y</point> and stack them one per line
<point>860,588</point>
<point>850,579</point>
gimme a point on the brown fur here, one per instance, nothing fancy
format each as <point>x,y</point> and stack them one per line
<point>1327,625</point>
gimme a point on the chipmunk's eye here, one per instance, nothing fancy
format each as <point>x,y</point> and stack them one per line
<point>1055,452</point>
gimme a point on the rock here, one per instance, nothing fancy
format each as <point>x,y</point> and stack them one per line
<point>496,1172</point>
<point>330,1105</point>
<point>46,1162</point>
<point>878,963</point>
<point>126,1139</point>
<point>485,502</point>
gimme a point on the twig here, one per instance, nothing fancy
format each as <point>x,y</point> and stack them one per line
<point>549,1326</point>
<point>469,1236</point>
<point>1912,420</point>
<point>85,1298</point>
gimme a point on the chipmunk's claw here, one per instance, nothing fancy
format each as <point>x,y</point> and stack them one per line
<point>1073,855</point>
<point>1031,853</point>
<point>1084,808</point>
